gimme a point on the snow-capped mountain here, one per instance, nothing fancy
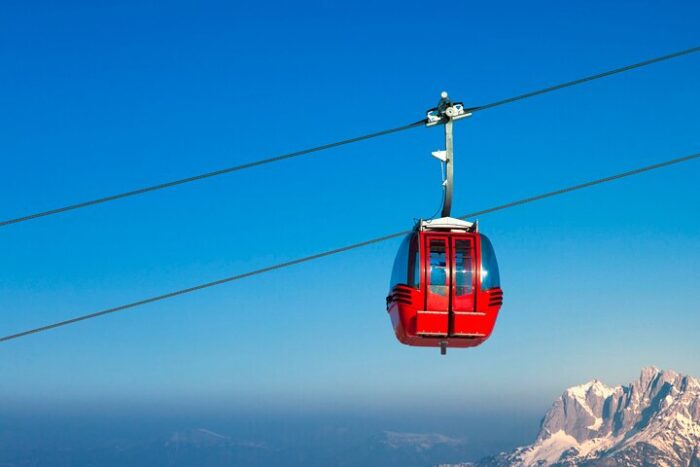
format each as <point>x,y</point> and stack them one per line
<point>654,421</point>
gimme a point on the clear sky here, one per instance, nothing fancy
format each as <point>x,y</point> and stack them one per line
<point>100,98</point>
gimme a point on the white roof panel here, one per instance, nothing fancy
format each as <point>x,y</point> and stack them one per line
<point>446,223</point>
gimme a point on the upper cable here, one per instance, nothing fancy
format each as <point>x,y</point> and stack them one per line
<point>302,152</point>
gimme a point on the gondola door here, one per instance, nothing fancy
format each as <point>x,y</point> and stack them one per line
<point>434,320</point>
<point>465,320</point>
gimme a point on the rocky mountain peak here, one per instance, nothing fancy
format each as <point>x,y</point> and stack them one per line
<point>654,420</point>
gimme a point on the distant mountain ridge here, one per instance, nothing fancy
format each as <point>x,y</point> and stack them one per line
<point>654,421</point>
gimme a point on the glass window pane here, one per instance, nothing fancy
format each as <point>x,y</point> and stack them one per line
<point>438,267</point>
<point>416,266</point>
<point>400,273</point>
<point>490,277</point>
<point>464,271</point>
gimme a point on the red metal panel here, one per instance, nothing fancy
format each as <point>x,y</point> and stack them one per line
<point>432,323</point>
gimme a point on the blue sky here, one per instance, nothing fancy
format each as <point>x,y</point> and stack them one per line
<point>99,98</point>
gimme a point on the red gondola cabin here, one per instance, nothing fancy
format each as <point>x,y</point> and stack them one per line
<point>445,287</point>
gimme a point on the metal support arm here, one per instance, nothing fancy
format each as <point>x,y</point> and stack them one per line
<point>445,113</point>
<point>449,170</point>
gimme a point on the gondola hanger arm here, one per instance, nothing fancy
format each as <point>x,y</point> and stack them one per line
<point>446,113</point>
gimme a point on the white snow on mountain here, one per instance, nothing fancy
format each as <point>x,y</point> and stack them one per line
<point>655,420</point>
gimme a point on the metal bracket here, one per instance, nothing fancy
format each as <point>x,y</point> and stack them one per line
<point>446,110</point>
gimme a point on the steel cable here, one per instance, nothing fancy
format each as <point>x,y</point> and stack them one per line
<point>270,160</point>
<point>354,246</point>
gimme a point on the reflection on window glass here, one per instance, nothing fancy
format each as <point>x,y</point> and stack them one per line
<point>438,267</point>
<point>416,267</point>
<point>463,274</point>
<point>490,278</point>
<point>399,274</point>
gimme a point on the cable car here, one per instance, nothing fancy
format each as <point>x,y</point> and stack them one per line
<point>445,286</point>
